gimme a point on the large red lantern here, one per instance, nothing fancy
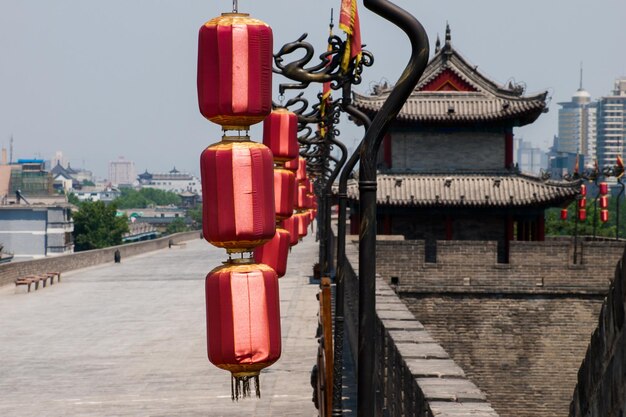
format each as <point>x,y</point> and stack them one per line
<point>235,70</point>
<point>243,321</point>
<point>275,252</point>
<point>238,194</point>
<point>280,134</point>
<point>284,190</point>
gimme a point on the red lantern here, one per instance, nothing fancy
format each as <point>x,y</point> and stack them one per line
<point>582,203</point>
<point>604,188</point>
<point>235,70</point>
<point>275,252</point>
<point>604,216</point>
<point>303,224</point>
<point>564,214</point>
<point>243,320</point>
<point>291,225</point>
<point>238,193</point>
<point>280,134</point>
<point>583,190</point>
<point>302,198</point>
<point>301,174</point>
<point>604,201</point>
<point>284,188</point>
<point>292,165</point>
<point>582,214</point>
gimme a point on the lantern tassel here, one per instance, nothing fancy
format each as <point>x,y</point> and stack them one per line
<point>240,387</point>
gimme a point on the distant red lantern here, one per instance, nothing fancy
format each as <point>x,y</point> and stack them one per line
<point>235,70</point>
<point>564,214</point>
<point>275,252</point>
<point>284,189</point>
<point>303,201</point>
<point>582,203</point>
<point>604,188</point>
<point>604,201</point>
<point>292,165</point>
<point>238,194</point>
<point>583,190</point>
<point>303,224</point>
<point>243,321</point>
<point>280,134</point>
<point>291,225</point>
<point>604,216</point>
<point>582,214</point>
<point>301,174</point>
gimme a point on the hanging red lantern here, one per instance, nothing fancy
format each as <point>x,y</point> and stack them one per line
<point>583,190</point>
<point>604,188</point>
<point>604,201</point>
<point>302,199</point>
<point>275,252</point>
<point>604,216</point>
<point>243,321</point>
<point>235,70</point>
<point>284,189</point>
<point>582,203</point>
<point>280,134</point>
<point>301,174</point>
<point>582,214</point>
<point>303,224</point>
<point>238,194</point>
<point>291,225</point>
<point>292,165</point>
<point>564,214</point>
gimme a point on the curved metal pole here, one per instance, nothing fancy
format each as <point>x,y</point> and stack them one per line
<point>342,197</point>
<point>366,389</point>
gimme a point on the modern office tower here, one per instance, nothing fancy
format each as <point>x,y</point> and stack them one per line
<point>612,125</point>
<point>577,125</point>
<point>121,172</point>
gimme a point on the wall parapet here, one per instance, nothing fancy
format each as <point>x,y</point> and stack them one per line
<point>415,375</point>
<point>9,272</point>
<point>601,387</point>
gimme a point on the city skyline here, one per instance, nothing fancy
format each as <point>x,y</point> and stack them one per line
<point>101,80</point>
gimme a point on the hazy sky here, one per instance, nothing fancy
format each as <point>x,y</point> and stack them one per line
<point>100,79</point>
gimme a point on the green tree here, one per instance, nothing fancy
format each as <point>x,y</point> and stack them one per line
<point>145,197</point>
<point>177,226</point>
<point>96,225</point>
<point>557,227</point>
<point>72,199</point>
<point>195,214</point>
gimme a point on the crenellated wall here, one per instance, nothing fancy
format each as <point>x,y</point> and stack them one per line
<point>10,271</point>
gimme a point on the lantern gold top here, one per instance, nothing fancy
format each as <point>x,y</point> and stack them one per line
<point>231,19</point>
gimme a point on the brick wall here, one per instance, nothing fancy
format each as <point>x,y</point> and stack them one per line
<point>472,266</point>
<point>601,387</point>
<point>10,271</point>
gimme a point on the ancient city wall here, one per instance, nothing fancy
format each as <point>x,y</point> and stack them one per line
<point>10,271</point>
<point>415,375</point>
<point>601,387</point>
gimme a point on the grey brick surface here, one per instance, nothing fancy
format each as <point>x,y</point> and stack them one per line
<point>129,339</point>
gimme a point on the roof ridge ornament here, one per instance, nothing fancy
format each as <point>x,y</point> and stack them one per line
<point>437,45</point>
<point>448,45</point>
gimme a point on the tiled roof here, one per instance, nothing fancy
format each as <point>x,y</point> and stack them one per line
<point>489,101</point>
<point>470,190</point>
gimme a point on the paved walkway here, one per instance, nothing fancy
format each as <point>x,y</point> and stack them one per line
<point>129,339</point>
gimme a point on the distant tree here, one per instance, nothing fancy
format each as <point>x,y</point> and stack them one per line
<point>195,214</point>
<point>72,199</point>
<point>557,227</point>
<point>88,183</point>
<point>177,226</point>
<point>146,197</point>
<point>96,225</point>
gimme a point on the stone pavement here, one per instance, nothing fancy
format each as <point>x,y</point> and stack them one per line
<point>129,339</point>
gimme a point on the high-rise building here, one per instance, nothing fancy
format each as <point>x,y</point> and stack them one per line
<point>529,159</point>
<point>612,125</point>
<point>121,172</point>
<point>577,125</point>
